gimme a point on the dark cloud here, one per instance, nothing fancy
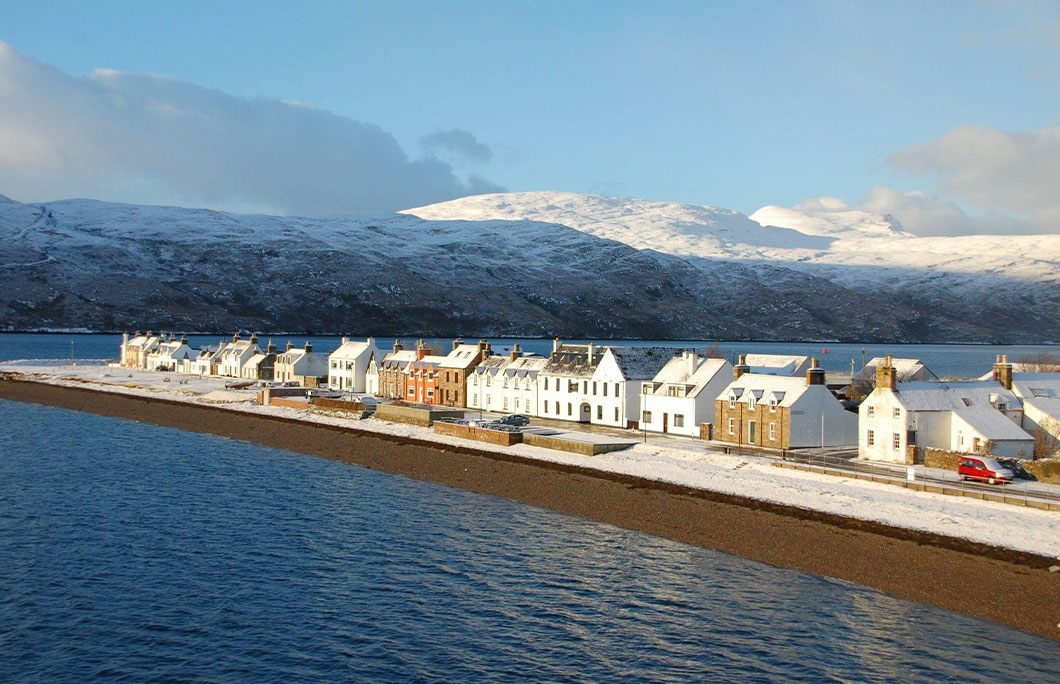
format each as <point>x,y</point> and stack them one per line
<point>457,144</point>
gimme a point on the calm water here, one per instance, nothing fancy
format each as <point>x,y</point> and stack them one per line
<point>944,360</point>
<point>139,553</point>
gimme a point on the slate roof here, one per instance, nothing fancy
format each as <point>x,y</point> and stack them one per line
<point>904,369</point>
<point>948,396</point>
<point>642,363</point>
<point>676,372</point>
<point>991,423</point>
<point>777,364</point>
<point>787,389</point>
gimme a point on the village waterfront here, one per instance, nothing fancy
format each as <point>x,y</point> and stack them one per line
<point>138,552</point>
<point>947,360</point>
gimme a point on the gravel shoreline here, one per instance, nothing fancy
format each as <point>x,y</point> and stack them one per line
<point>942,571</point>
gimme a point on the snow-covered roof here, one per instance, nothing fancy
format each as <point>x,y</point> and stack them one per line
<point>462,356</point>
<point>948,396</point>
<point>573,360</point>
<point>777,364</point>
<point>351,349</point>
<point>642,363</point>
<point>696,375</point>
<point>429,361</point>
<point>788,389</point>
<point>991,423</point>
<point>904,369</point>
<point>1040,390</point>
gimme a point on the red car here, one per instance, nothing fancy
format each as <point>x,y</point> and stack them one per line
<point>983,469</point>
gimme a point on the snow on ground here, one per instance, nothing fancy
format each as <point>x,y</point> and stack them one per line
<point>676,462</point>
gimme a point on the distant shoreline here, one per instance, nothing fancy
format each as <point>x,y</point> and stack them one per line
<point>569,339</point>
<point>913,565</point>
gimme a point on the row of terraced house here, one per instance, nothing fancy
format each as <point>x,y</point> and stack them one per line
<point>763,400</point>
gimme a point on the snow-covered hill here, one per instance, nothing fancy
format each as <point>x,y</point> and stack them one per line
<point>535,264</point>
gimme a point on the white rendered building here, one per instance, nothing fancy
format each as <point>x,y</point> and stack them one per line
<point>682,394</point>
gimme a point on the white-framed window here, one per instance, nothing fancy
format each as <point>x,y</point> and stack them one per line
<point>732,402</point>
<point>751,402</point>
<point>412,390</point>
<point>646,416</point>
<point>546,384</point>
<point>599,412</point>
<point>871,411</point>
<point>679,420</point>
<point>605,389</point>
<point>616,414</point>
<point>732,426</point>
<point>896,413</point>
<point>772,405</point>
<point>616,389</point>
<point>505,402</point>
<point>896,440</point>
<point>570,410</point>
<point>772,431</point>
<point>870,438</point>
<point>594,388</point>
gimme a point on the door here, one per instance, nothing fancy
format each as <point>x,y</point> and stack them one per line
<point>666,417</point>
<point>585,413</point>
<point>752,432</point>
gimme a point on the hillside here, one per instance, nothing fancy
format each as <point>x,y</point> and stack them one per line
<point>534,264</point>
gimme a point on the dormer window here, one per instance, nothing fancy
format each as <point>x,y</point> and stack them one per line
<point>732,402</point>
<point>772,405</point>
<point>751,402</point>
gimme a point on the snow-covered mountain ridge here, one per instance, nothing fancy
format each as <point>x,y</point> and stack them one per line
<point>533,264</point>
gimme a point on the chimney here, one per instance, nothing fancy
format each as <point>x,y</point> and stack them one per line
<point>253,338</point>
<point>516,352</point>
<point>555,344</point>
<point>691,357</point>
<point>371,342</point>
<point>815,375</point>
<point>421,349</point>
<point>397,346</point>
<point>290,345</point>
<point>271,348</point>
<point>308,347</point>
<point>1003,371</point>
<point>886,377</point>
<point>457,342</point>
<point>344,340</point>
<point>741,367</point>
<point>183,339</point>
<point>592,350</point>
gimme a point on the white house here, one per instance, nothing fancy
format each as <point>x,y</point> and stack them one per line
<point>1040,394</point>
<point>301,365</point>
<point>506,383</point>
<point>615,389</point>
<point>348,365</point>
<point>237,354</point>
<point>385,376</point>
<point>682,394</point>
<point>563,384</point>
<point>791,365</point>
<point>977,416</point>
<point>782,412</point>
<point>134,350</point>
<point>170,355</point>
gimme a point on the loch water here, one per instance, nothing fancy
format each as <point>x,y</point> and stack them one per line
<point>132,552</point>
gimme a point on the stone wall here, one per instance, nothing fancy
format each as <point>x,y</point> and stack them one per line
<point>761,415</point>
<point>941,458</point>
<point>479,434</point>
<point>1043,469</point>
<point>352,406</point>
<point>414,415</point>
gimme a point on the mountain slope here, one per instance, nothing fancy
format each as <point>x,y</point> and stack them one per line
<point>568,267</point>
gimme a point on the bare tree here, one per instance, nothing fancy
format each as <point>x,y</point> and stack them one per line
<point>1046,442</point>
<point>715,351</point>
<point>1042,362</point>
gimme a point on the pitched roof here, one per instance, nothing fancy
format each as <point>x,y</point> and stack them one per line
<point>1040,390</point>
<point>991,423</point>
<point>573,360</point>
<point>777,364</point>
<point>788,389</point>
<point>948,396</point>
<point>904,369</point>
<point>677,371</point>
<point>463,356</point>
<point>350,349</point>
<point>642,363</point>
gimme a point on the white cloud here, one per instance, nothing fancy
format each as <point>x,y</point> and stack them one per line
<point>1010,177</point>
<point>147,138</point>
<point>457,144</point>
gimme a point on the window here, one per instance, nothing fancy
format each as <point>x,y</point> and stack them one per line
<point>474,399</point>
<point>594,388</point>
<point>897,412</point>
<point>772,405</point>
<point>732,402</point>
<point>896,441</point>
<point>412,390</point>
<point>870,438</point>
<point>569,411</point>
<point>605,389</point>
<point>585,387</point>
<point>557,408</point>
<point>751,402</point>
<point>679,420</point>
<point>616,414</point>
<point>772,431</point>
<point>599,412</point>
<point>546,384</point>
<point>506,403</point>
<point>430,376</point>
<point>871,411</point>
<point>616,389</point>
<point>732,426</point>
<point>647,416</point>
<point>1002,406</point>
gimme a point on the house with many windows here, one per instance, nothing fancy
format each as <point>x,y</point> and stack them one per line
<point>170,354</point>
<point>348,365</point>
<point>457,367</point>
<point>134,350</point>
<point>506,383</point>
<point>262,365</point>
<point>782,412</point>
<point>301,365</point>
<point>386,377</point>
<point>682,394</point>
<point>422,379</point>
<point>236,354</point>
<point>976,416</point>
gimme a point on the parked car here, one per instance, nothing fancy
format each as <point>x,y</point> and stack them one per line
<point>983,469</point>
<point>516,420</point>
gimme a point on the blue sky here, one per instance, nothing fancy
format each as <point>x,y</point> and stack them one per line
<point>733,104</point>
